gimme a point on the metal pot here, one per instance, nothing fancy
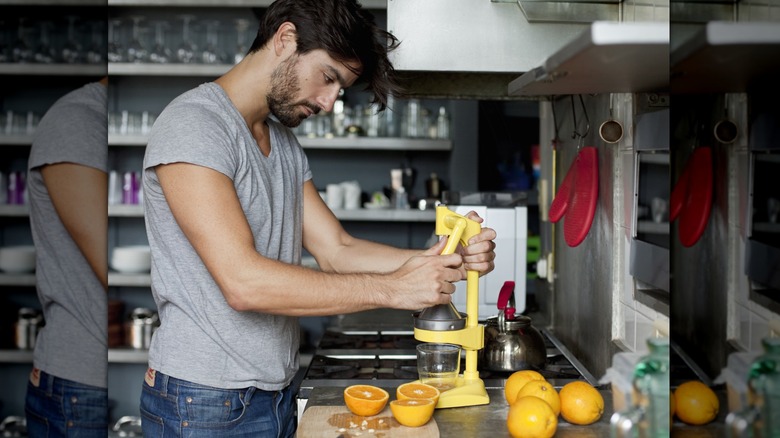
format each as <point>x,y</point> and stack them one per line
<point>140,328</point>
<point>26,328</point>
<point>511,342</point>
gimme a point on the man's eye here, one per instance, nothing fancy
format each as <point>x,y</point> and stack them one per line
<point>328,79</point>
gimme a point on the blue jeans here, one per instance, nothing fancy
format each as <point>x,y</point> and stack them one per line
<point>172,407</point>
<point>63,408</point>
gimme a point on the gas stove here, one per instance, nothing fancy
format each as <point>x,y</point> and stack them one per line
<point>387,358</point>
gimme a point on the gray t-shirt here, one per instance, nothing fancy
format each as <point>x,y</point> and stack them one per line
<point>201,338</point>
<point>72,345</point>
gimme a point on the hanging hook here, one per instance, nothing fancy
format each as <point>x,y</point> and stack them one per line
<point>555,119</point>
<point>575,133</point>
<point>587,120</point>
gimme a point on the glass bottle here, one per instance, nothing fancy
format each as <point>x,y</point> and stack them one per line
<point>762,417</point>
<point>443,124</point>
<point>649,415</point>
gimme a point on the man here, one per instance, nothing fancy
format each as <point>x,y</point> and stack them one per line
<point>67,187</point>
<point>230,205</point>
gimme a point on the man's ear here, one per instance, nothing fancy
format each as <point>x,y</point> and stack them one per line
<point>285,39</point>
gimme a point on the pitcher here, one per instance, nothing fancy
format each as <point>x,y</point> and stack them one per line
<point>762,417</point>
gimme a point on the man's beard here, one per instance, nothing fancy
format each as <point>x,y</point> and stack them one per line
<point>284,87</point>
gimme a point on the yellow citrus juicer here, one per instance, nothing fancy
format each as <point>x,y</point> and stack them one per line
<point>445,324</point>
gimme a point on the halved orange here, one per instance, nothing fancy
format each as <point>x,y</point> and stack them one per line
<point>365,400</point>
<point>417,390</point>
<point>413,412</point>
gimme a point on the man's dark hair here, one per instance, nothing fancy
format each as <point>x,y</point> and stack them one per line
<point>344,30</point>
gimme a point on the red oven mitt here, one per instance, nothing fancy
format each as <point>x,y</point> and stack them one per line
<point>577,197</point>
<point>691,198</point>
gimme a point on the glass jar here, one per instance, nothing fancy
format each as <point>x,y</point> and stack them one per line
<point>763,414</point>
<point>649,415</point>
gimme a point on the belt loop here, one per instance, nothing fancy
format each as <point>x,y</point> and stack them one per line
<point>49,384</point>
<point>249,393</point>
<point>163,383</point>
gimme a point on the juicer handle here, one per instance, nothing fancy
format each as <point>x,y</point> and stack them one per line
<point>506,293</point>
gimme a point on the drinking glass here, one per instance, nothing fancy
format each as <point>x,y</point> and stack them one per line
<point>96,52</point>
<point>186,51</point>
<point>136,52</point>
<point>160,53</point>
<point>211,53</point>
<point>438,365</point>
<point>71,51</point>
<point>114,42</point>
<point>21,51</point>
<point>44,52</point>
<point>242,25</point>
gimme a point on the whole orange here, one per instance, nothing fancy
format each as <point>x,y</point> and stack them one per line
<point>545,391</point>
<point>531,417</point>
<point>581,403</point>
<point>695,403</point>
<point>516,381</point>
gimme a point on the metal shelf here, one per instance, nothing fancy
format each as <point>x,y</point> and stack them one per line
<point>357,143</point>
<point>14,210</point>
<point>145,69</point>
<point>17,279</point>
<point>16,140</point>
<point>654,158</point>
<point>651,227</point>
<point>129,280</point>
<point>368,4</point>
<point>610,57</point>
<point>386,215</point>
<point>726,57</point>
<point>377,143</point>
<point>16,356</point>
<point>122,210</point>
<point>53,69</point>
<point>127,355</point>
<point>54,2</point>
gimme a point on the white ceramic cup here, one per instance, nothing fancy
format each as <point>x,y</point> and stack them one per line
<point>335,196</point>
<point>351,191</point>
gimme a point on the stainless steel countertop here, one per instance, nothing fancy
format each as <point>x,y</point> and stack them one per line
<point>478,421</point>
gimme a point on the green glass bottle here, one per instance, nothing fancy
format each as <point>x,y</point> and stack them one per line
<point>649,415</point>
<point>764,381</point>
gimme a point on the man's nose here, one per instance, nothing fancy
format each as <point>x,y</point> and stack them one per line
<point>327,100</point>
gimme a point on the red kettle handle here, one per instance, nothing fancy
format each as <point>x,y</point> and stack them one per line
<point>503,299</point>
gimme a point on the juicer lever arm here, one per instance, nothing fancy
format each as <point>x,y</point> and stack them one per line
<point>459,228</point>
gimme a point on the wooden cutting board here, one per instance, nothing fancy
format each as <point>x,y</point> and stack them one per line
<point>338,422</point>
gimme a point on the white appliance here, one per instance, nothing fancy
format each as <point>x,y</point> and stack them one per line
<point>511,225</point>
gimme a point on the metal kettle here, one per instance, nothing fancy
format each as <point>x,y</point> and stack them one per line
<point>511,342</point>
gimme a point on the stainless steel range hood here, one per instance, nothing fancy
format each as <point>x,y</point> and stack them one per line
<point>469,48</point>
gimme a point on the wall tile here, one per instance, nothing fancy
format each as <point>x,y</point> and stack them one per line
<point>644,330</point>
<point>759,329</point>
<point>744,326</point>
<point>629,322</point>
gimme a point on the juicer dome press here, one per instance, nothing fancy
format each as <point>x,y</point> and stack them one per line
<point>445,324</point>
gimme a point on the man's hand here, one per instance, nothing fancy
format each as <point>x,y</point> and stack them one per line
<point>479,254</point>
<point>426,279</point>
